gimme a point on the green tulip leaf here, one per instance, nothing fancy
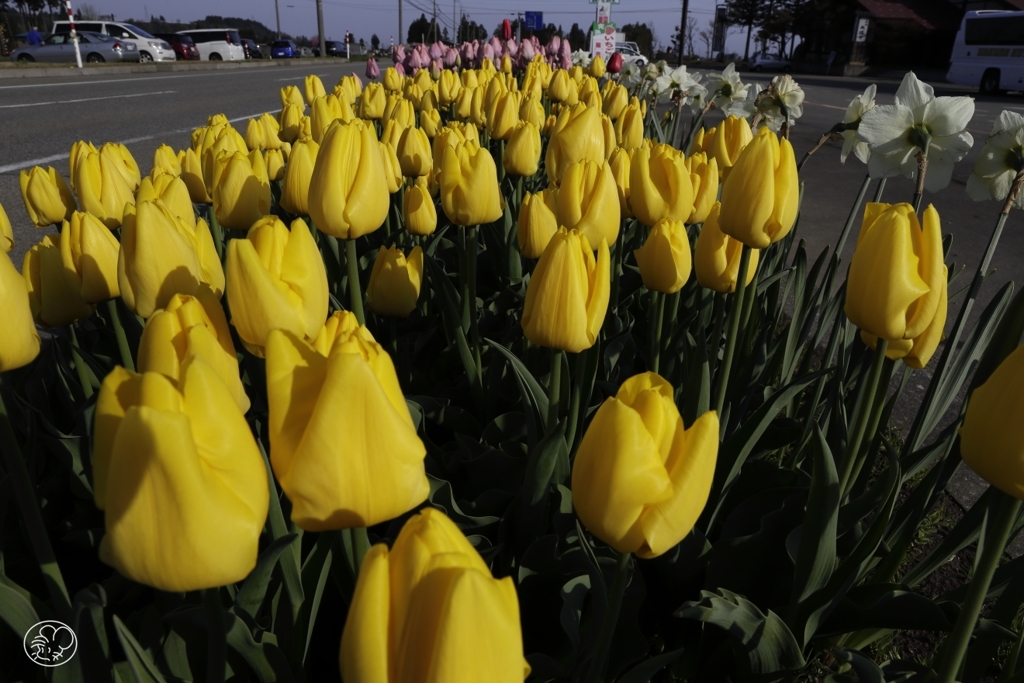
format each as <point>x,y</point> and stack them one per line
<point>642,673</point>
<point>865,670</point>
<point>817,555</point>
<point>254,590</point>
<point>16,608</point>
<point>142,667</point>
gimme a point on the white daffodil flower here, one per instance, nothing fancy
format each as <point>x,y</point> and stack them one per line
<point>677,83</point>
<point>630,74</point>
<point>747,107</point>
<point>727,90</point>
<point>581,58</point>
<point>781,102</point>
<point>919,120</point>
<point>854,113</point>
<point>1001,159</point>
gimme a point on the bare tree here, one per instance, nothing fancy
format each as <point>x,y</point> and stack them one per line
<point>87,11</point>
<point>691,30</point>
<point>707,36</point>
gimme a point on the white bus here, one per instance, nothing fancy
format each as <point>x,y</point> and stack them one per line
<point>989,51</point>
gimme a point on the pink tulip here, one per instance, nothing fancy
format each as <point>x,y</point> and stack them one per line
<point>565,60</point>
<point>400,69</point>
<point>486,52</point>
<point>526,51</point>
<point>451,56</point>
<point>414,62</point>
<point>436,51</point>
<point>435,68</point>
<point>554,45</point>
<point>397,54</point>
<point>372,70</point>
<point>511,47</point>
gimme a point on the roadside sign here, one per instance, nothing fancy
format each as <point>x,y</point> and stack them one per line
<point>604,12</point>
<point>863,24</point>
<point>534,21</point>
<point>721,26</point>
<point>595,2</point>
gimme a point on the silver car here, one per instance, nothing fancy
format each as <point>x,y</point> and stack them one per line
<point>95,47</point>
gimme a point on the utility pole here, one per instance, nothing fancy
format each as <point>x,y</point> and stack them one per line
<point>455,27</point>
<point>519,29</point>
<point>320,26</point>
<point>277,11</point>
<point>682,29</point>
<point>433,20</point>
<point>400,39</point>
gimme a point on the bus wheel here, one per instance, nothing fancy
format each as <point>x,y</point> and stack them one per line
<point>989,83</point>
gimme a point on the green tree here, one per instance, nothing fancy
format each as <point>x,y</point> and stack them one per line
<point>419,30</point>
<point>746,13</point>
<point>577,38</point>
<point>642,35</point>
<point>470,30</point>
<point>375,42</point>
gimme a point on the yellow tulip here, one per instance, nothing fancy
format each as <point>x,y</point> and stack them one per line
<point>664,259</point>
<point>291,122</point>
<point>704,179</point>
<point>989,439</point>
<point>274,160</point>
<point>376,472</point>
<point>6,232</point>
<point>191,327</point>
<point>896,287</point>
<point>254,134</point>
<point>697,144</point>
<point>537,223</point>
<point>53,300</point>
<point>297,174</point>
<point>192,176</point>
<point>427,103</point>
<point>615,99</point>
<point>351,86</point>
<point>577,134</point>
<point>371,104</point>
<point>395,282</point>
<point>348,192</point>
<point>567,296</point>
<point>430,122</point>
<point>77,150</point>
<point>504,115</point>
<point>448,88</point>
<point>396,629</point>
<point>463,105</point>
<point>522,154</point>
<point>413,93</point>
<point>102,188</point>
<point>325,110</point>
<point>178,457</point>
<point>470,78</point>
<point>532,111</point>
<point>659,185</point>
<point>391,79</point>
<point>88,251</point>
<point>641,479</point>
<point>727,141</point>
<point>469,185</point>
<point>562,87</point>
<point>172,192</point>
<point>449,136</point>
<point>124,162</point>
<point>619,162</point>
<point>717,256</point>
<point>629,128</point>
<point>47,197</point>
<point>477,113</point>
<point>418,209</point>
<point>391,133</point>
<point>160,257</point>
<point>761,195</point>
<point>414,153</point>
<point>19,344</point>
<point>392,167</point>
<point>588,201</point>
<point>597,67</point>
<point>399,110</point>
<point>314,88</point>
<point>241,190</point>
<point>165,161</point>
<point>290,94</point>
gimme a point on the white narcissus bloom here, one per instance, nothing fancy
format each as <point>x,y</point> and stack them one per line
<point>581,58</point>
<point>854,113</point>
<point>630,74</point>
<point>781,102</point>
<point>1001,159</point>
<point>728,92</point>
<point>895,133</point>
<point>678,81</point>
<point>746,108</point>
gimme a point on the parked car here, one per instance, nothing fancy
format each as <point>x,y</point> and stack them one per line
<point>630,53</point>
<point>184,47</point>
<point>217,44</point>
<point>252,50</point>
<point>150,48</point>
<point>774,62</point>
<point>94,47</point>
<point>284,49</point>
<point>334,48</point>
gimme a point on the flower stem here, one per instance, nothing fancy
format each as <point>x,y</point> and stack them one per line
<point>922,171</point>
<point>879,190</point>
<point>216,636</point>
<point>361,545</point>
<point>617,266</point>
<point>218,233</point>
<point>554,388</point>
<point>862,413</point>
<point>598,664</point>
<point>122,339</point>
<point>654,343</point>
<point>1002,514</point>
<point>718,311</point>
<point>734,330</point>
<point>474,324</point>
<point>818,145</point>
<point>854,212</point>
<point>28,507</point>
<point>83,376</point>
<point>354,289</point>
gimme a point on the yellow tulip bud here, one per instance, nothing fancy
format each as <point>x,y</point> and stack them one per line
<point>659,185</point>
<point>54,300</point>
<point>47,197</point>
<point>727,141</point>
<point>348,193</point>
<point>697,144</point>
<point>430,122</point>
<point>588,201</point>
<point>522,155</point>
<point>192,327</point>
<point>418,210</point>
<point>165,161</point>
<point>629,128</point>
<point>6,232</point>
<point>395,282</point>
<point>290,94</point>
<point>340,324</point>
<point>275,279</point>
<point>392,168</point>
<point>376,472</point>
<point>327,109</point>
<point>664,259</point>
<point>291,122</point>
<point>181,458</point>
<point>241,192</point>
<point>562,87</point>
<point>532,111</point>
<point>314,88</point>
<point>170,190</point>
<point>351,86</point>
<point>413,93</point>
<point>394,624</point>
<point>161,256</point>
<point>620,165</point>
<point>469,185</point>
<point>391,79</point>
<point>391,134</point>
<point>102,188</point>
<point>761,195</point>
<point>597,66</point>
<point>371,104</point>
<point>470,78</point>
<point>423,79</point>
<point>124,162</point>
<point>477,112</point>
<point>448,88</point>
<point>577,134</point>
<point>615,99</point>
<point>896,287</point>
<point>641,479</point>
<point>77,150</point>
<point>567,296</point>
<point>414,153</point>
<point>717,256</point>
<point>504,115</point>
<point>704,179</point>
<point>295,190</point>
<point>274,160</point>
<point>254,134</point>
<point>88,251</point>
<point>537,223</point>
<point>399,110</point>
<point>19,344</point>
<point>192,176</point>
<point>463,108</point>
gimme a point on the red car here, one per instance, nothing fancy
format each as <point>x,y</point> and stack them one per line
<point>183,46</point>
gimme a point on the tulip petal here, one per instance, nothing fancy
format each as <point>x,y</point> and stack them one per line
<point>364,641</point>
<point>295,375</point>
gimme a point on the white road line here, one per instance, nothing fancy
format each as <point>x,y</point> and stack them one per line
<point>86,99</point>
<point>827,106</point>
<point>145,77</point>
<point>57,157</point>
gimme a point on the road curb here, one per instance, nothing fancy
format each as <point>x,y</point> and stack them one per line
<point>169,67</point>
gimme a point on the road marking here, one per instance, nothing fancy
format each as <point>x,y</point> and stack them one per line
<point>144,77</point>
<point>827,106</point>
<point>86,99</point>
<point>57,157</point>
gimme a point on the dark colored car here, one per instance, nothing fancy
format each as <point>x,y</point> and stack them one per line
<point>284,49</point>
<point>184,47</point>
<point>252,50</point>
<point>335,48</point>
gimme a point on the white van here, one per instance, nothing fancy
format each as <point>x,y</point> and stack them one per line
<point>987,51</point>
<point>216,44</point>
<point>151,48</point>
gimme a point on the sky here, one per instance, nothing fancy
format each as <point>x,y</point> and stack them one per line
<point>366,17</point>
